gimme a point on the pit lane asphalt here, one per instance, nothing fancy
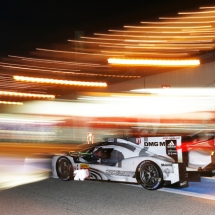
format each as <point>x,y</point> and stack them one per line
<point>53,196</point>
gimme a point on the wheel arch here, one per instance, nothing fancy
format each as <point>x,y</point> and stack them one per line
<point>159,174</point>
<point>69,165</point>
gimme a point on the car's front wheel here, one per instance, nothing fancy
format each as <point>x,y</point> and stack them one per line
<point>149,175</point>
<point>64,169</point>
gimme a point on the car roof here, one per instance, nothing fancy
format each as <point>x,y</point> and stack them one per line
<point>115,142</point>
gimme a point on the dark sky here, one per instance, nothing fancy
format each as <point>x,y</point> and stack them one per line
<point>25,25</point>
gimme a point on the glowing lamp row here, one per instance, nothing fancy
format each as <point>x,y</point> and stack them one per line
<point>11,103</point>
<point>153,62</point>
<point>63,82</point>
<point>6,93</point>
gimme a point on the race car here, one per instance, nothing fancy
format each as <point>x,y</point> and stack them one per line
<point>197,152</point>
<point>152,164</point>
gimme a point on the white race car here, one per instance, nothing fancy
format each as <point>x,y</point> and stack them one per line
<point>153,163</point>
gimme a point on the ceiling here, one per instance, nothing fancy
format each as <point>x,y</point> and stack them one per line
<point>186,35</point>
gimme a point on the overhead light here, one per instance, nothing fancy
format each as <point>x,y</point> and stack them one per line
<point>153,62</point>
<point>63,82</point>
<point>7,93</point>
<point>10,103</point>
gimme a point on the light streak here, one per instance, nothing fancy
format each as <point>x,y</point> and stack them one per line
<point>10,103</point>
<point>55,61</point>
<point>190,17</point>
<point>199,92</point>
<point>198,12</point>
<point>8,93</point>
<point>174,37</point>
<point>146,53</point>
<point>30,68</point>
<point>153,62</point>
<point>168,27</point>
<point>162,48</point>
<point>97,38</point>
<point>36,68</point>
<point>184,22</point>
<point>61,82</point>
<point>69,52</point>
<point>181,31</point>
<point>71,73</point>
<point>101,43</point>
<point>212,7</point>
<point>140,46</point>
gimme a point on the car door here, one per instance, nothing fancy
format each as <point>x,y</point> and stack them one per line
<point>115,170</point>
<point>101,159</point>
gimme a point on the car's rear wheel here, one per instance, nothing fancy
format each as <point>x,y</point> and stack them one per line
<point>64,169</point>
<point>149,175</point>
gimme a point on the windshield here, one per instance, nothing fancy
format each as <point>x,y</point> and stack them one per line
<point>87,148</point>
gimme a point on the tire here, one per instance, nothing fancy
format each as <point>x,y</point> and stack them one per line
<point>64,169</point>
<point>149,175</point>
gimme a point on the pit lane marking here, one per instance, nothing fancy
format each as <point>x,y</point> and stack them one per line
<point>201,189</point>
<point>186,193</point>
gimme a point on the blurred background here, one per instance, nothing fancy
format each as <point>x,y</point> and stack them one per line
<point>78,72</point>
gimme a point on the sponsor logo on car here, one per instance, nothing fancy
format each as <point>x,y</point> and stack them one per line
<point>171,149</point>
<point>84,166</point>
<point>166,164</point>
<point>171,144</point>
<point>117,173</point>
<point>183,183</point>
<point>154,144</point>
<point>171,138</point>
<point>138,140</point>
